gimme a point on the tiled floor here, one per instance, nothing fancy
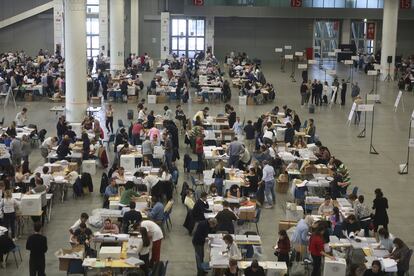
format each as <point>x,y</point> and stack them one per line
<point>367,171</point>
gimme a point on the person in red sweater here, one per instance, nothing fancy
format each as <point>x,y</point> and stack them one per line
<point>199,150</point>
<point>282,248</point>
<point>316,249</point>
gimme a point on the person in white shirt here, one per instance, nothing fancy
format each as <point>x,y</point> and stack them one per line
<point>232,249</point>
<point>47,177</point>
<point>150,181</point>
<point>326,208</point>
<point>269,181</point>
<point>47,146</point>
<point>21,117</point>
<point>84,218</point>
<point>141,114</point>
<point>168,114</point>
<point>156,236</point>
<point>238,128</point>
<point>9,205</point>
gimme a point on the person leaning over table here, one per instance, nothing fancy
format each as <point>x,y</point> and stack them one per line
<point>130,217</point>
<point>83,236</point>
<point>400,254</point>
<point>375,270</point>
<point>363,214</point>
<point>225,219</point>
<point>84,217</point>
<point>300,236</point>
<point>63,149</point>
<point>316,249</point>
<point>156,236</point>
<point>252,180</point>
<point>232,249</point>
<point>351,226</point>
<point>282,248</point>
<point>204,228</point>
<point>129,193</point>
<point>233,192</point>
<point>109,227</point>
<point>385,239</point>
<point>254,269</point>
<point>201,206</point>
<point>47,146</point>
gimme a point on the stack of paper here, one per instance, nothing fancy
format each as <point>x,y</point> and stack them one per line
<point>389,265</point>
<point>134,261</point>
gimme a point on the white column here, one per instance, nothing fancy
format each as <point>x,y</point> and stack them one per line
<point>165,35</point>
<point>346,31</point>
<point>58,39</point>
<point>389,37</point>
<point>210,33</point>
<point>103,27</point>
<point>116,34</point>
<point>75,61</point>
<point>134,27</point>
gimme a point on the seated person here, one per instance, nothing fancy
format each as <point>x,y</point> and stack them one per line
<point>119,174</point>
<point>82,235</point>
<point>323,155</point>
<point>254,269</point>
<point>252,180</point>
<point>83,219</point>
<point>351,226</point>
<point>109,227</point>
<point>156,213</point>
<point>131,217</point>
<point>375,270</point>
<point>189,201</point>
<point>300,143</point>
<point>111,189</point>
<point>326,208</point>
<point>213,190</point>
<point>233,269</point>
<point>146,162</point>
<point>6,245</point>
<point>232,249</point>
<point>233,192</point>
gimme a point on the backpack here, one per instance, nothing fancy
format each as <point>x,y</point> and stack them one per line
<point>104,183</point>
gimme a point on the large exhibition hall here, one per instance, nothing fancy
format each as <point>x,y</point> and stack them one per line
<point>206,137</point>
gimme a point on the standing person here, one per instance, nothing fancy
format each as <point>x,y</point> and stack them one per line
<point>355,91</point>
<point>316,249</point>
<point>199,150</point>
<point>300,237</point>
<point>380,206</point>
<point>311,131</point>
<point>168,149</point>
<point>319,89</point>
<point>219,176</point>
<point>335,88</point>
<point>26,150</point>
<point>282,247</point>
<point>363,214</point>
<point>16,151</point>
<point>343,92</point>
<point>325,92</point>
<point>168,114</point>
<point>47,146</point>
<point>303,92</point>
<point>375,270</point>
<point>249,131</point>
<point>8,206</point>
<point>268,179</point>
<point>156,235</point>
<point>235,150</point>
<point>400,255</point>
<point>109,119</point>
<point>204,228</point>
<point>37,245</point>
<point>357,100</point>
<point>313,87</point>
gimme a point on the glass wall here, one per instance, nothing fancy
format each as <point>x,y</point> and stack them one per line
<point>92,28</point>
<point>363,4</point>
<point>326,37</point>
<point>359,37</point>
<point>187,36</point>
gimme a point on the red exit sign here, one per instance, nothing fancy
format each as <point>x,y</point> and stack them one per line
<point>405,4</point>
<point>296,3</point>
<point>198,2</point>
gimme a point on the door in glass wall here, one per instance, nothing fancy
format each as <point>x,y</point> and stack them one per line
<point>187,36</point>
<point>326,36</point>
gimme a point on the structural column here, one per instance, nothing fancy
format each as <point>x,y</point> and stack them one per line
<point>210,33</point>
<point>58,27</point>
<point>116,34</point>
<point>134,27</point>
<point>346,31</point>
<point>103,27</point>
<point>389,38</point>
<point>165,35</point>
<point>75,59</point>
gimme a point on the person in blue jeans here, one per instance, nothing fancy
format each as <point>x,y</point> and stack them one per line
<point>219,175</point>
<point>268,180</point>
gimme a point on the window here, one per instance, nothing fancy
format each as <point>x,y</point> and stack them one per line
<point>326,35</point>
<point>92,28</point>
<point>359,34</point>
<point>187,36</point>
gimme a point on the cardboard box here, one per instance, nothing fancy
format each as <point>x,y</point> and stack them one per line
<point>286,224</point>
<point>294,215</point>
<point>309,169</point>
<point>73,166</point>
<point>132,99</point>
<point>89,166</point>
<point>66,255</point>
<point>31,205</point>
<point>282,187</point>
<point>152,99</point>
<point>242,100</point>
<point>113,252</point>
<point>247,215</point>
<point>162,99</point>
<point>55,168</point>
<point>28,97</point>
<point>335,267</point>
<point>96,100</point>
<point>250,101</point>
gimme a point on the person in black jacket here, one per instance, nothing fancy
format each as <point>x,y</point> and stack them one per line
<point>232,117</point>
<point>131,217</point>
<point>120,139</point>
<point>201,207</point>
<point>6,245</point>
<point>343,92</point>
<point>201,233</point>
<point>85,146</point>
<point>225,219</point>
<point>63,149</point>
<point>254,269</point>
<point>37,245</point>
<point>289,134</point>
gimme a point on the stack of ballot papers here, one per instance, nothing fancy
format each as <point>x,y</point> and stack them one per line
<point>389,265</point>
<point>134,261</point>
